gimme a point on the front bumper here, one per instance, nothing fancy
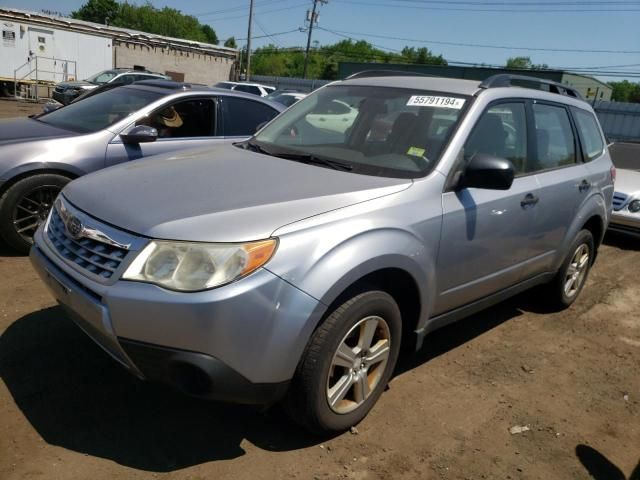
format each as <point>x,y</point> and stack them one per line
<point>239,343</point>
<point>625,222</point>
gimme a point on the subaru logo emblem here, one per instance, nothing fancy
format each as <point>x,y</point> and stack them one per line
<point>75,227</point>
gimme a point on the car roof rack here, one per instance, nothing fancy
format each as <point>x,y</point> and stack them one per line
<point>506,80</point>
<point>386,73</point>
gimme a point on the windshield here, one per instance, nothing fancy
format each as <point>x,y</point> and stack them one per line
<point>100,111</point>
<point>393,132</point>
<point>102,77</point>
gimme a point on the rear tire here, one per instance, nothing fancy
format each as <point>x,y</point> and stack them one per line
<point>347,364</point>
<point>570,279</point>
<point>25,206</point>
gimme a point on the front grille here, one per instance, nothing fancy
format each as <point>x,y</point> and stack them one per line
<point>619,200</point>
<point>96,257</point>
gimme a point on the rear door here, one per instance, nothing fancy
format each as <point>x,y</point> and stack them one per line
<point>485,233</point>
<point>563,179</point>
<point>186,123</point>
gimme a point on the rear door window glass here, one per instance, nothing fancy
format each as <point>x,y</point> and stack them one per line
<point>555,143</point>
<point>241,116</point>
<point>591,137</point>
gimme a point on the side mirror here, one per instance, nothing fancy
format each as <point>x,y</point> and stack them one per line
<point>140,134</point>
<point>488,172</point>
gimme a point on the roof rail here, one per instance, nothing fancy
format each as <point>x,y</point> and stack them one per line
<point>506,80</point>
<point>386,73</point>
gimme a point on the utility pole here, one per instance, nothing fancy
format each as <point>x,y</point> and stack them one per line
<point>312,18</point>
<point>248,76</point>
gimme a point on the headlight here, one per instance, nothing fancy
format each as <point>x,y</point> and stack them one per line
<point>634,207</point>
<point>189,267</point>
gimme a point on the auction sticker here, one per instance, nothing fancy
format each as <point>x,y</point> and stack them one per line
<point>436,102</point>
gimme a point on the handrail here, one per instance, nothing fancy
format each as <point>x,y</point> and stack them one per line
<point>38,71</point>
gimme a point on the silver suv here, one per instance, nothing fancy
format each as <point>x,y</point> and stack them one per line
<point>293,266</point>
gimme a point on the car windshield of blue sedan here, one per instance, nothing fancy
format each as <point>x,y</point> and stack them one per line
<point>103,77</point>
<point>383,131</point>
<point>100,111</point>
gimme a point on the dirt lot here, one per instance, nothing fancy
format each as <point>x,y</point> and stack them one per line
<point>67,411</point>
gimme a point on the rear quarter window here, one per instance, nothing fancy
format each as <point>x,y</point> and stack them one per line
<point>592,141</point>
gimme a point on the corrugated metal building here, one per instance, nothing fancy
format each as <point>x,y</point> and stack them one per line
<point>52,49</point>
<point>589,87</point>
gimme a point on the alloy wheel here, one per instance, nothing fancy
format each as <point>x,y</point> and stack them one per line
<point>32,209</point>
<point>577,270</point>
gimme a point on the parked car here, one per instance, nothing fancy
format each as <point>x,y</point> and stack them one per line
<point>66,92</point>
<point>285,97</point>
<point>626,199</point>
<point>38,156</point>
<point>247,87</point>
<point>336,116</point>
<point>294,265</point>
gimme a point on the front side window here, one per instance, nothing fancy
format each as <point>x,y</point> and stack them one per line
<point>381,131</point>
<point>590,133</point>
<point>98,112</point>
<point>555,143</point>
<point>501,132</point>
<point>241,116</point>
<point>186,119</point>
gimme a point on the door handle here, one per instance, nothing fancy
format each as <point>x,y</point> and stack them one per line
<point>529,200</point>
<point>584,185</point>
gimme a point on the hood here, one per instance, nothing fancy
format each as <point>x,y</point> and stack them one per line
<point>221,194</point>
<point>78,83</point>
<point>15,130</point>
<point>627,181</point>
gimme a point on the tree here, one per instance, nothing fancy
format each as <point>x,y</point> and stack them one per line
<point>524,63</point>
<point>231,42</point>
<point>625,91</point>
<point>147,18</point>
<point>98,11</point>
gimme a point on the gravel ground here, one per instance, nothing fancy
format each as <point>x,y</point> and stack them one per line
<point>67,411</point>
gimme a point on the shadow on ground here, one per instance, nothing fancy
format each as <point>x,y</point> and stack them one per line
<point>622,241</point>
<point>5,251</point>
<point>78,398</point>
<point>600,468</point>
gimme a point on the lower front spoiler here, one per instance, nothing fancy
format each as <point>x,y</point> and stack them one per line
<point>199,375</point>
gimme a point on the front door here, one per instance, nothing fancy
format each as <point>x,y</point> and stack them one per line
<point>188,123</point>
<point>485,233</point>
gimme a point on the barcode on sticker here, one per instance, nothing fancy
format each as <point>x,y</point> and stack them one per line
<point>437,102</point>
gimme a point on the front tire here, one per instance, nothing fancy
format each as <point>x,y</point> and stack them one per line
<point>347,364</point>
<point>25,206</point>
<point>570,279</point>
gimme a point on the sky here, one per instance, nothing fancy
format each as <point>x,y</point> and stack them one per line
<point>603,36</point>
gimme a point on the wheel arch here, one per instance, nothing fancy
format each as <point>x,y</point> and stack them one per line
<point>21,173</point>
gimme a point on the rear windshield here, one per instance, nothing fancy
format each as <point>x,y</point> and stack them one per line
<point>381,131</point>
<point>100,111</point>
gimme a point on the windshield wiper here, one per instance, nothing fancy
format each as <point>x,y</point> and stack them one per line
<point>298,156</point>
<point>311,158</point>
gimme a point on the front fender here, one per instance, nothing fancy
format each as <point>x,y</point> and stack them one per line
<point>325,270</point>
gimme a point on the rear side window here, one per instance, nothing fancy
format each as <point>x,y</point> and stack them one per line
<point>554,137</point>
<point>501,132</point>
<point>241,116</point>
<point>590,133</point>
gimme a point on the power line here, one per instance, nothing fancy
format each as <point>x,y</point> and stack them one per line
<point>479,45</point>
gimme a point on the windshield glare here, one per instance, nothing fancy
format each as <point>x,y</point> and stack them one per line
<point>102,77</point>
<point>382,131</point>
<point>100,111</point>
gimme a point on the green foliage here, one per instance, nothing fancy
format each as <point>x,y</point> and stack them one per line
<point>625,91</point>
<point>147,18</point>
<point>524,63</point>
<point>98,11</point>
<point>231,42</point>
<point>323,61</point>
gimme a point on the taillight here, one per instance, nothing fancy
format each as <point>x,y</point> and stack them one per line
<point>613,174</point>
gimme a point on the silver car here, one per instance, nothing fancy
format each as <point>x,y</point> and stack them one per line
<point>38,156</point>
<point>294,265</point>
<point>626,200</point>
